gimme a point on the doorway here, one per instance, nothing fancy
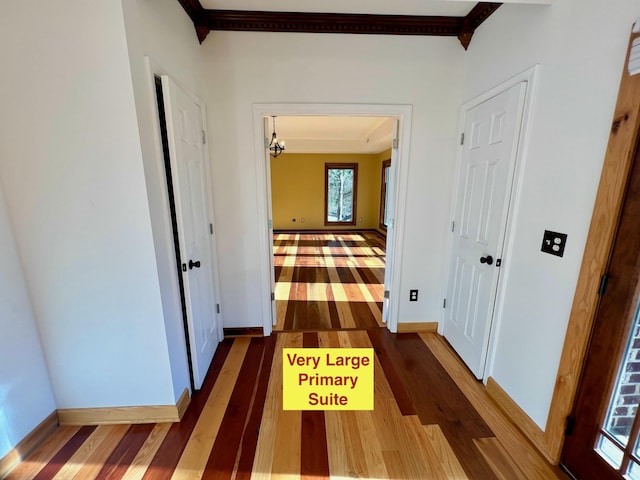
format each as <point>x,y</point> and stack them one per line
<point>327,192</point>
<point>181,118</point>
<point>484,187</point>
<point>262,115</point>
<point>605,439</point>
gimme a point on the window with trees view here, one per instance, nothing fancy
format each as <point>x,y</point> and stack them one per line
<point>341,185</point>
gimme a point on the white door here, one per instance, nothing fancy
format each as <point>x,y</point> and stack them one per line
<point>195,224</point>
<point>484,183</point>
<point>390,213</point>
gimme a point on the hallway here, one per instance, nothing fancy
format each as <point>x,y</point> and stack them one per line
<point>424,425</point>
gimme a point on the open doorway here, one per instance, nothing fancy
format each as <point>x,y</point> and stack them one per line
<point>400,118</point>
<point>329,200</point>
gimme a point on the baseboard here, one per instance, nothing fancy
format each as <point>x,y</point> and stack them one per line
<point>125,415</point>
<point>518,416</point>
<point>183,403</point>
<point>28,444</point>
<point>243,332</point>
<point>418,327</point>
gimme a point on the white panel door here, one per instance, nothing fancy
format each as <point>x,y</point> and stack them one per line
<point>484,184</point>
<point>195,225</point>
<point>390,220</point>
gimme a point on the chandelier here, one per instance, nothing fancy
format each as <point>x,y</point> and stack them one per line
<point>275,147</point>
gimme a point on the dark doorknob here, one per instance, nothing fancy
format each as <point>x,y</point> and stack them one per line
<point>196,264</point>
<point>488,260</point>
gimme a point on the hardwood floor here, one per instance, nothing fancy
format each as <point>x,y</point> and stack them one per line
<point>424,425</point>
<point>329,280</point>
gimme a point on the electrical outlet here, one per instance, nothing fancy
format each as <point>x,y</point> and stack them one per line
<point>413,295</point>
<point>553,243</point>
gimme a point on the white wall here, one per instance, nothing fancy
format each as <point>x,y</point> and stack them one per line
<point>26,398</point>
<point>580,45</point>
<point>71,166</point>
<point>246,68</point>
<point>161,30</point>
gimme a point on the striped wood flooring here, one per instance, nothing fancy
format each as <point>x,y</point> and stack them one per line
<point>329,280</point>
<point>424,425</point>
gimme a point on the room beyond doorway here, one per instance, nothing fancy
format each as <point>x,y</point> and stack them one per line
<point>329,191</point>
<point>400,116</point>
<point>329,280</point>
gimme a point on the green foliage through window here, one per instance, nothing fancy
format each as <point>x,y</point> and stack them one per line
<point>340,194</point>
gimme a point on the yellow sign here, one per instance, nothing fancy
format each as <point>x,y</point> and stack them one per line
<point>327,378</point>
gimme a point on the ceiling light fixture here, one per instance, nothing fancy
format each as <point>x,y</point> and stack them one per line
<point>275,147</point>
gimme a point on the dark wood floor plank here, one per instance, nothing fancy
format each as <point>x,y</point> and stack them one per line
<point>168,455</point>
<point>363,316</point>
<point>438,400</point>
<point>314,457</point>
<point>333,315</point>
<point>122,456</point>
<point>64,454</point>
<point>227,445</point>
<point>391,362</point>
<point>252,429</point>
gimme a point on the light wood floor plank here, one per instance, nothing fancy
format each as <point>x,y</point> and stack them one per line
<point>194,458</point>
<point>264,460</point>
<point>88,449</point>
<point>31,466</point>
<point>143,459</point>
<point>499,460</point>
<point>285,465</point>
<point>94,463</point>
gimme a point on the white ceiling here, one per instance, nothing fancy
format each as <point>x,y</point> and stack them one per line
<point>457,8</point>
<point>396,7</point>
<point>314,134</point>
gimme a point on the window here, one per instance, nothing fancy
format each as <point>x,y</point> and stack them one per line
<point>340,193</point>
<point>384,193</point>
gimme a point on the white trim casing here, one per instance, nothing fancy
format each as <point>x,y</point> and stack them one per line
<point>263,189</point>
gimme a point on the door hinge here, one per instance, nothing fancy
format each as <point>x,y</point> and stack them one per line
<point>569,425</point>
<point>386,294</point>
<point>211,228</point>
<point>273,296</point>
<point>217,307</point>
<point>453,226</point>
<point>395,143</point>
<point>444,303</point>
<point>204,138</point>
<point>270,222</point>
<point>462,138</point>
<point>604,281</point>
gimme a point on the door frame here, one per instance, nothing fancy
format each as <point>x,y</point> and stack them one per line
<point>263,187</point>
<point>171,242</point>
<point>530,76</point>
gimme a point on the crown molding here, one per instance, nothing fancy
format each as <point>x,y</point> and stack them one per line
<point>206,20</point>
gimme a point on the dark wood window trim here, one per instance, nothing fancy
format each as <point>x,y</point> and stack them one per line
<point>343,166</point>
<point>383,194</point>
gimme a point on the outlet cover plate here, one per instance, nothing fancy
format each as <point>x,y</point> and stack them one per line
<point>554,243</point>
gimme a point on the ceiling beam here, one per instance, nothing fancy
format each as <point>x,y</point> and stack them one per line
<point>256,21</point>
<point>198,16</point>
<point>474,19</point>
<point>206,20</point>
